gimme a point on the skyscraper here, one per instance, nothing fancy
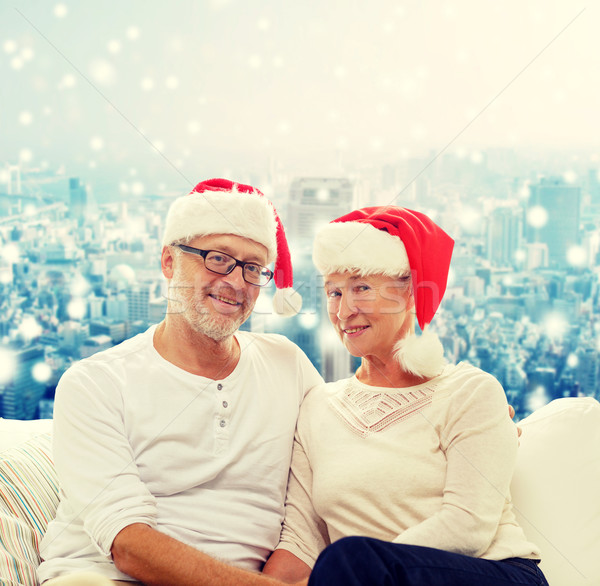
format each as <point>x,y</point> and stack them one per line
<point>14,180</point>
<point>313,202</point>
<point>505,234</point>
<point>22,394</point>
<point>139,297</point>
<point>553,214</point>
<point>77,198</point>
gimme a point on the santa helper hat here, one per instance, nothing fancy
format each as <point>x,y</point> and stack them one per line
<point>220,206</point>
<point>393,241</point>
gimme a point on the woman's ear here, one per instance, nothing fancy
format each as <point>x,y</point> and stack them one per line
<point>410,303</point>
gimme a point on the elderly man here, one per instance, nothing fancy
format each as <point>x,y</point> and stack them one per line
<point>173,448</point>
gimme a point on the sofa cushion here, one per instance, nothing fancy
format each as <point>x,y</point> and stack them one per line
<point>556,488</point>
<point>28,500</point>
<point>14,432</point>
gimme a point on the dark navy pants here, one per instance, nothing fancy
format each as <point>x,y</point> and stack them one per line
<point>362,561</point>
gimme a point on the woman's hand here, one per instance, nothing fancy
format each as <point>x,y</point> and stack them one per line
<point>511,412</point>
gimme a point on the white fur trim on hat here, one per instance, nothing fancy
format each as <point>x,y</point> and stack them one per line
<point>356,246</point>
<point>421,355</point>
<point>248,215</point>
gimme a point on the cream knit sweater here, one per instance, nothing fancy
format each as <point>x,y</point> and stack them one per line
<point>427,465</point>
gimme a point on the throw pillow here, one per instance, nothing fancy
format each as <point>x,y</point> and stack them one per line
<point>28,500</point>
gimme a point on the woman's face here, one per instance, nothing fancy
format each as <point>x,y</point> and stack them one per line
<point>370,314</point>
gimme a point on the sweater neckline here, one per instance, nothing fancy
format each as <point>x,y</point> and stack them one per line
<point>357,384</point>
<point>367,410</point>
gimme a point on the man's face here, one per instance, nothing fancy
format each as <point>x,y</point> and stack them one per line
<point>209,303</point>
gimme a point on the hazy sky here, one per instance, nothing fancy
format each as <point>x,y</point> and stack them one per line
<point>218,84</point>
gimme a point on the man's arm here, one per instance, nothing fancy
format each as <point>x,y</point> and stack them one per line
<point>285,566</point>
<point>159,560</point>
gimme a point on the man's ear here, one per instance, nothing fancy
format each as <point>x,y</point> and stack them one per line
<point>166,262</point>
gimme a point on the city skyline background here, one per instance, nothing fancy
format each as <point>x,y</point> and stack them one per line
<point>481,115</point>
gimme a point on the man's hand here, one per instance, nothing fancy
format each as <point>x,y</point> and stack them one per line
<point>285,566</point>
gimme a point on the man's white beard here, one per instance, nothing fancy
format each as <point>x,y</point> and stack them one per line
<point>193,307</point>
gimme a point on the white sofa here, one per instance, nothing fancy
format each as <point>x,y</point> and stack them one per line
<point>555,490</point>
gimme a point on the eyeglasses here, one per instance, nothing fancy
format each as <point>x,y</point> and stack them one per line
<point>223,264</point>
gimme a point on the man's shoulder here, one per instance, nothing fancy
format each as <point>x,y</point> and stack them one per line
<point>281,355</point>
<point>279,341</point>
<point>123,352</point>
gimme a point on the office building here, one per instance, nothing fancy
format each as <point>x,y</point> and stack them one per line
<point>138,301</point>
<point>553,217</point>
<point>504,236</point>
<point>78,199</point>
<point>21,395</point>
<point>314,201</point>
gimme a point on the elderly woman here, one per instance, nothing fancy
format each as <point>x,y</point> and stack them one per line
<point>401,473</point>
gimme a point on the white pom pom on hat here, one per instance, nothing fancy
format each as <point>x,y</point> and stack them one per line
<point>221,206</point>
<point>391,240</point>
<point>421,355</point>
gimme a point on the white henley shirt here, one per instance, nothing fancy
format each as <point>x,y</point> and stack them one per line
<point>139,440</point>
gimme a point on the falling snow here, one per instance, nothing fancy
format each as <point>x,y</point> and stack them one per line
<point>25,118</point>
<point>172,82</point>
<point>114,46</point>
<point>133,33</point>
<point>9,46</point>
<point>537,216</point>
<point>61,10</point>
<point>102,72</point>
<point>96,143</point>
<point>41,372</point>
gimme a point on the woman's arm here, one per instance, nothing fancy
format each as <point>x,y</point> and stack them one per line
<point>304,534</point>
<point>480,443</point>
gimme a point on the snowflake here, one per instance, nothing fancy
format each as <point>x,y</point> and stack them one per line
<point>60,10</point>
<point>25,118</point>
<point>102,72</point>
<point>147,84</point>
<point>537,216</point>
<point>76,309</point>
<point>96,143</point>
<point>133,33</point>
<point>9,46</point>
<point>172,82</point>
<point>114,46</point>
<point>41,372</point>
<point>25,156</point>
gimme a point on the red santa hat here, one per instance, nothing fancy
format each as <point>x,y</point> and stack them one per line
<point>394,241</point>
<point>220,206</point>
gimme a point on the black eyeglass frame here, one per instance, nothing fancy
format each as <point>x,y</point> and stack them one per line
<point>238,263</point>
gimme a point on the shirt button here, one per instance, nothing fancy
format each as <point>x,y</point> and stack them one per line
<point>222,423</point>
<point>225,404</point>
<point>219,387</point>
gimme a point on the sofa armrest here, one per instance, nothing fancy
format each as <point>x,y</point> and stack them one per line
<point>556,488</point>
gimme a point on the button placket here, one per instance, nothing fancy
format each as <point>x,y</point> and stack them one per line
<point>222,411</point>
